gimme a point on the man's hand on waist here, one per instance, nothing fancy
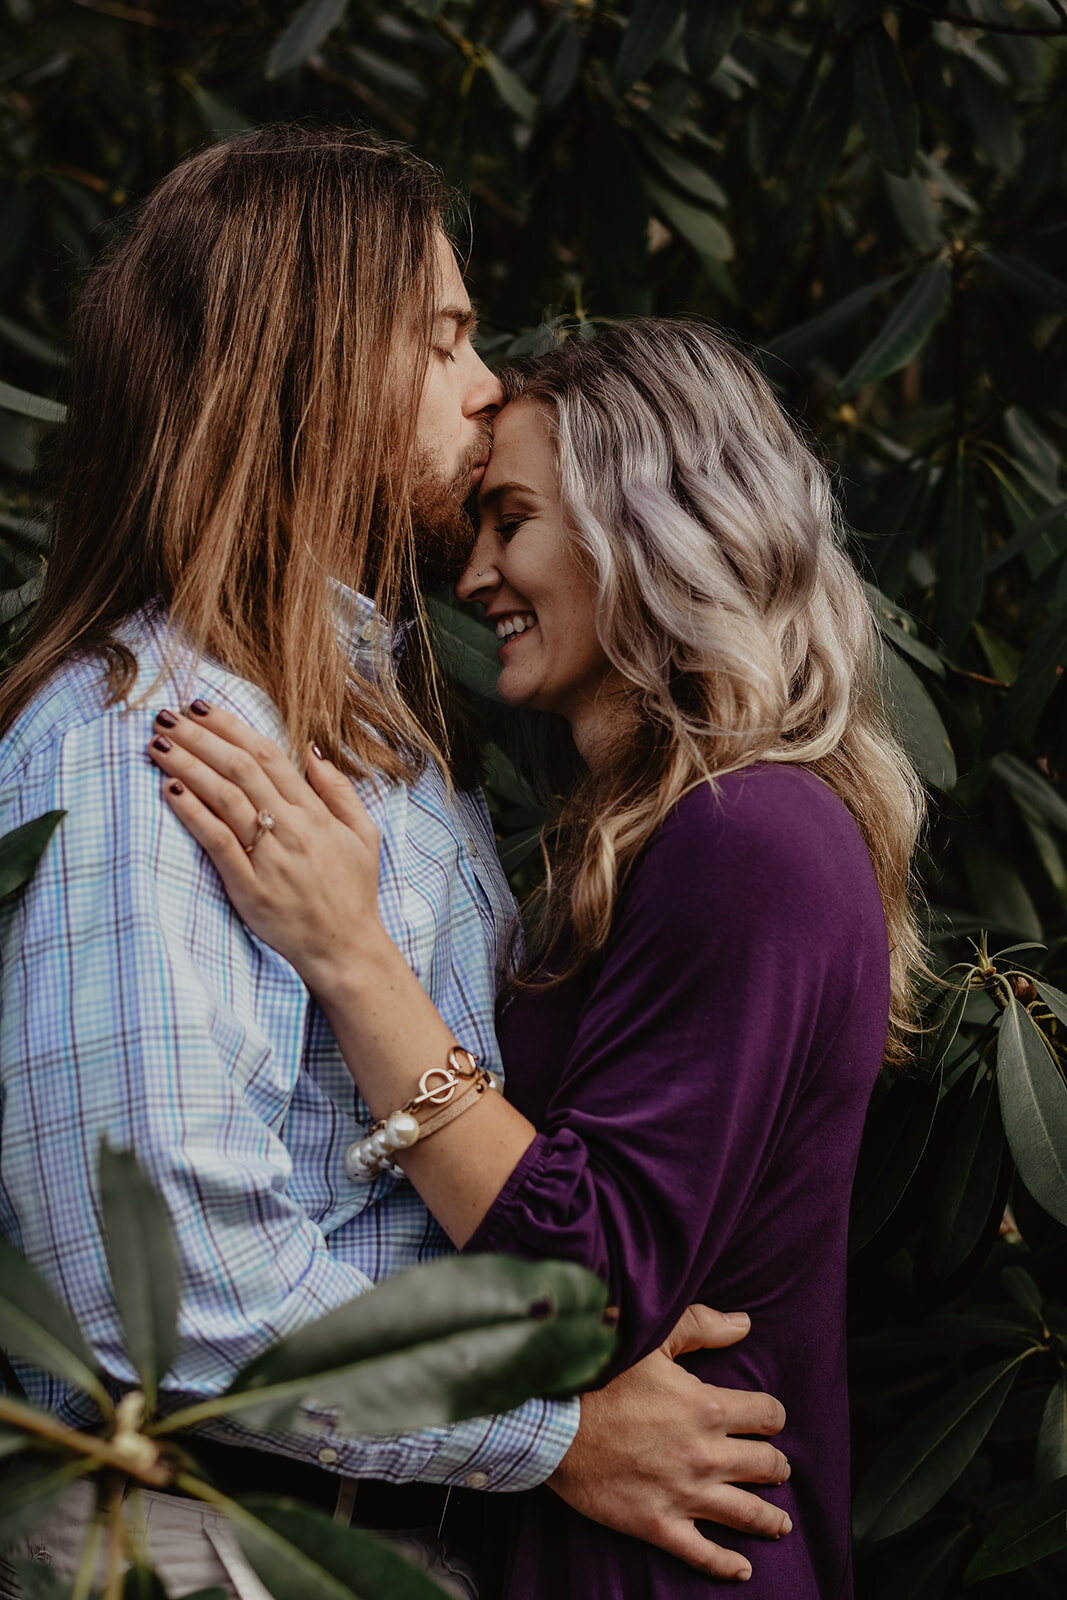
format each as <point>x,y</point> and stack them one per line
<point>656,1452</point>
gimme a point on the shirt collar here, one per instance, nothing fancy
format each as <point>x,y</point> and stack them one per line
<point>363,630</point>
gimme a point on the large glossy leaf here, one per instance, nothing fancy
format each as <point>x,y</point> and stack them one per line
<point>959,588</point>
<point>1035,1529</point>
<point>22,849</point>
<point>302,1555</point>
<point>1050,1462</point>
<point>1033,1103</point>
<point>509,87</point>
<point>807,339</point>
<point>30,405</point>
<point>455,1339</point>
<point>37,1328</point>
<point>1054,998</point>
<point>29,1487</point>
<point>468,648</point>
<point>926,1457</point>
<point>651,24</point>
<point>819,148</point>
<point>30,343</point>
<point>303,33</point>
<point>993,116</point>
<point>709,33</point>
<point>904,333</point>
<point>966,1186</point>
<point>696,180</point>
<point>1026,279</point>
<point>1025,700</point>
<point>918,722</point>
<point>898,1125</point>
<point>1026,538</point>
<point>143,1261</point>
<point>695,223</point>
<point>914,209</point>
<point>888,114</point>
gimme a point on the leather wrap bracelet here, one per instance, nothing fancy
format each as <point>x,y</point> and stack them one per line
<point>450,1090</point>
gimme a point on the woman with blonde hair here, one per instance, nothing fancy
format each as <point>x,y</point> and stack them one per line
<point>725,936</point>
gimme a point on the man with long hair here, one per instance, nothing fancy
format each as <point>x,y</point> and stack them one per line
<point>276,413</point>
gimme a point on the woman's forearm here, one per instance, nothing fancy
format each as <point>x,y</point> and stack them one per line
<point>389,1033</point>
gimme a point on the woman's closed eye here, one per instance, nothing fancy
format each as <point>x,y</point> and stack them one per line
<point>508,526</point>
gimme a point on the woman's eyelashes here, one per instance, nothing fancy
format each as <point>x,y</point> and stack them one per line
<point>508,526</point>
<point>446,355</point>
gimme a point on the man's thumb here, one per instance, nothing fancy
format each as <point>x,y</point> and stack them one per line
<point>701,1328</point>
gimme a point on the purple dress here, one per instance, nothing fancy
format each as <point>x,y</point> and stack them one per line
<point>700,1091</point>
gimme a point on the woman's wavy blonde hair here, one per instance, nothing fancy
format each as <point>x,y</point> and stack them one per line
<point>727,603</point>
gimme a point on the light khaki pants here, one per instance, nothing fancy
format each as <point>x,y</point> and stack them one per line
<point>191,1546</point>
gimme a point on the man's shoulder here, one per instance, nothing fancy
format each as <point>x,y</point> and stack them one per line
<point>74,711</point>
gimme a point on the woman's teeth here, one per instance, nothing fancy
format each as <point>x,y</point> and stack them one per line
<point>508,626</point>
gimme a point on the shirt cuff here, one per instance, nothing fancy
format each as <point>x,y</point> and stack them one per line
<point>517,1450</point>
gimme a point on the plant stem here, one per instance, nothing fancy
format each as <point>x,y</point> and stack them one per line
<point>84,1444</point>
<point>86,1567</point>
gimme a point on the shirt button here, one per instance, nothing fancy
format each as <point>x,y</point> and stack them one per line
<point>327,1456</point>
<point>472,847</point>
<point>368,630</point>
<point>476,1480</point>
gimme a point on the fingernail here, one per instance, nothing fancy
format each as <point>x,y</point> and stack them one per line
<point>175,787</point>
<point>787,1525</point>
<point>743,1577</point>
<point>166,719</point>
<point>737,1319</point>
<point>159,743</point>
<point>315,751</point>
<point>200,708</point>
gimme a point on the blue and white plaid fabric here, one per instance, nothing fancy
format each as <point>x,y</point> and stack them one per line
<point>135,1003</point>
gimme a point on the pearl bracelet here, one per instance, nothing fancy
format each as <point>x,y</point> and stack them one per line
<point>438,1086</point>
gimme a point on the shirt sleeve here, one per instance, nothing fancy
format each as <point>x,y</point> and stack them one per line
<point>729,941</point>
<point>135,1005</point>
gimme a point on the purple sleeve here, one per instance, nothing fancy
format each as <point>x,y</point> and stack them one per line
<point>738,945</point>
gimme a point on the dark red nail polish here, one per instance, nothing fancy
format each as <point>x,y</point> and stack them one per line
<point>159,743</point>
<point>200,708</point>
<point>166,719</point>
<point>175,787</point>
<point>315,751</point>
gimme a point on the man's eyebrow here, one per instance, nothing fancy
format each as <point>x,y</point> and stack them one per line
<point>465,318</point>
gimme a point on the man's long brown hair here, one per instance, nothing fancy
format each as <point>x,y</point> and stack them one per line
<point>241,431</point>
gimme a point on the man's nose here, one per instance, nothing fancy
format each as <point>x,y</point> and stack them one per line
<point>484,392</point>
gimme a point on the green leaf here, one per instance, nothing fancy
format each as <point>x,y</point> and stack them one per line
<point>904,333</point>
<point>143,1260</point>
<point>1033,1103</point>
<point>1055,999</point>
<point>515,850</point>
<point>29,1487</point>
<point>509,87</point>
<point>913,209</point>
<point>709,33</point>
<point>36,1327</point>
<point>459,1338</point>
<point>808,338</point>
<point>820,155</point>
<point>992,115</point>
<point>849,14</point>
<point>21,851</point>
<point>31,344</point>
<point>651,24</point>
<point>30,405</point>
<point>1021,1288</point>
<point>141,1583</point>
<point>959,586</point>
<point>670,160</point>
<point>918,722</point>
<point>303,1555</point>
<point>467,648</point>
<point>967,1181</point>
<point>1017,715</point>
<point>1033,282</point>
<point>564,68</point>
<point>1025,539</point>
<point>303,33</point>
<point>697,226</point>
<point>13,1441</point>
<point>1036,1528</point>
<point>220,118</point>
<point>927,1456</point>
<point>888,114</point>
<point>1050,1463</point>
<point>38,1582</point>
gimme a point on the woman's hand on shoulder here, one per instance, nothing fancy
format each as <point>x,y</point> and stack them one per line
<point>298,859</point>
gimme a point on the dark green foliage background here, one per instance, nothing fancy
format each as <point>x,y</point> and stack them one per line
<point>873,195</point>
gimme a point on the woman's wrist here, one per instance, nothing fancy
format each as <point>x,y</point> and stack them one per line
<point>347,976</point>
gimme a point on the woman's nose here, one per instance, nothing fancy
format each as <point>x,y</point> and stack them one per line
<point>479,577</point>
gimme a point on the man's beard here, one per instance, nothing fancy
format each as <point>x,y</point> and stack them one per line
<point>442,515</point>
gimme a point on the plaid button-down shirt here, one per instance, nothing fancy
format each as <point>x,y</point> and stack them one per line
<point>135,1003</point>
